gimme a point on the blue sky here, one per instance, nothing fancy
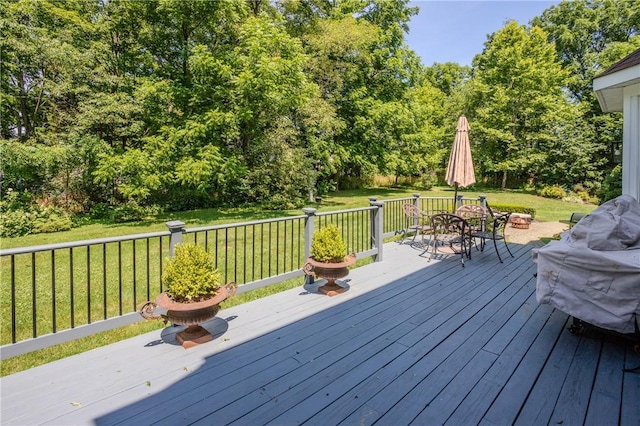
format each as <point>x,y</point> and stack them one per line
<point>455,30</point>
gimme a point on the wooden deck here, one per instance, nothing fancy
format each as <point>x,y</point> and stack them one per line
<point>411,342</point>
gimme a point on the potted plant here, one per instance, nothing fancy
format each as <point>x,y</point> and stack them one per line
<point>193,293</point>
<point>329,259</point>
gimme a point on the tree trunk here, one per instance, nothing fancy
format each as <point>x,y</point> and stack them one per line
<point>24,122</point>
<point>504,180</point>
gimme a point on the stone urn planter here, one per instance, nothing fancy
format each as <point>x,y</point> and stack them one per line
<point>330,272</point>
<point>329,259</point>
<point>192,295</point>
<point>189,314</point>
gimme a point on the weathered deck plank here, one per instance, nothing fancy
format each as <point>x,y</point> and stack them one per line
<point>410,342</point>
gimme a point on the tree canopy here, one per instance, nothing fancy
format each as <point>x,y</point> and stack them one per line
<point>187,103</point>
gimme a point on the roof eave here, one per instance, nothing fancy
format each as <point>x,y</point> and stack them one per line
<point>609,88</point>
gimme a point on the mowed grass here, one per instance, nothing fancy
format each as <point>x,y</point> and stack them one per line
<point>546,210</point>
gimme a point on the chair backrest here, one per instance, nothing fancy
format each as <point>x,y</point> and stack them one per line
<point>500,223</point>
<point>411,211</point>
<point>448,223</point>
<point>471,210</point>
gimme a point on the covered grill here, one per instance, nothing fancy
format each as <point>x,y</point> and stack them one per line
<point>593,272</point>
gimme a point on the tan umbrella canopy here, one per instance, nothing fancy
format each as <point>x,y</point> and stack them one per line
<point>460,169</point>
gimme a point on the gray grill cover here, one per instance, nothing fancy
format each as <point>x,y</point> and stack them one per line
<point>593,271</point>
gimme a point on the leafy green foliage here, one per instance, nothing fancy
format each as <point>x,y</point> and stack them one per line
<point>187,104</point>
<point>521,113</point>
<point>328,245</point>
<point>589,36</point>
<point>15,223</point>
<point>51,219</point>
<point>20,215</point>
<point>612,185</point>
<point>553,191</point>
<point>189,276</point>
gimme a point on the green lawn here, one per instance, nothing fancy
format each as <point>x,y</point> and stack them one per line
<point>546,210</point>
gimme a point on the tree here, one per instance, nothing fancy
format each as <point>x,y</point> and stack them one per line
<point>448,77</point>
<point>583,32</point>
<point>364,70</point>
<point>520,109</point>
<point>42,66</point>
<point>417,146</point>
<point>582,29</point>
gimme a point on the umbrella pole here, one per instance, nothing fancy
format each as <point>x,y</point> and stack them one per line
<point>455,198</point>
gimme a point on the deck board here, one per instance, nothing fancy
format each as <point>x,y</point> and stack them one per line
<point>411,342</point>
<point>608,381</point>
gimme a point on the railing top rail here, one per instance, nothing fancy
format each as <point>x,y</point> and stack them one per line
<point>396,199</point>
<point>425,198</point>
<point>360,209</point>
<point>241,224</point>
<point>82,243</point>
<point>97,241</point>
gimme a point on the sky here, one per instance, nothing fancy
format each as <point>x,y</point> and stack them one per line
<point>456,30</point>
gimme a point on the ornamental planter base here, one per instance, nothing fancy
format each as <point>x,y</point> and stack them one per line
<point>193,336</point>
<point>331,289</point>
<point>331,272</point>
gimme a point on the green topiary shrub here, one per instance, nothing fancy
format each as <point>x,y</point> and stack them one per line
<point>328,246</point>
<point>190,276</point>
<point>554,191</point>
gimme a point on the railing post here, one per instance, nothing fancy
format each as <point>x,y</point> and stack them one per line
<point>377,223</point>
<point>483,200</point>
<point>309,229</point>
<point>176,227</point>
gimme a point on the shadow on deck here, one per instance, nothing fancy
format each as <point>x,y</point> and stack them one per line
<point>411,342</point>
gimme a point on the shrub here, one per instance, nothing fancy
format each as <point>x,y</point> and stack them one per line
<point>15,223</point>
<point>51,220</point>
<point>427,181</point>
<point>328,246</point>
<point>101,211</point>
<point>326,187</point>
<point>612,185</point>
<point>573,198</point>
<point>190,276</point>
<point>129,212</point>
<point>20,216</point>
<point>515,209</point>
<point>554,191</point>
<point>584,195</point>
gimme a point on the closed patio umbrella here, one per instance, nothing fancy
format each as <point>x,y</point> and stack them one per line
<point>460,169</point>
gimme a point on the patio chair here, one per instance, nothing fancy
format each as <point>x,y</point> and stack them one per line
<point>495,232</point>
<point>415,222</point>
<point>451,231</point>
<point>474,214</point>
